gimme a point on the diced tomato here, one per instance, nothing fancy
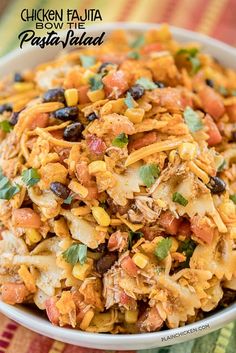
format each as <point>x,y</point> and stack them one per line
<point>149,48</point>
<point>96,144</point>
<point>213,131</point>
<point>202,229</point>
<point>114,58</point>
<point>116,81</point>
<point>52,311</point>
<point>145,140</point>
<point>124,298</point>
<point>82,173</point>
<point>184,228</point>
<point>26,218</point>
<point>231,111</point>
<point>129,266</point>
<point>148,233</point>
<point>212,102</point>
<point>171,98</point>
<point>13,293</point>
<point>58,134</point>
<point>82,94</point>
<point>169,222</point>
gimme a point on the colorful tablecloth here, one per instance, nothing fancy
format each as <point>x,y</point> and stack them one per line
<point>216,18</point>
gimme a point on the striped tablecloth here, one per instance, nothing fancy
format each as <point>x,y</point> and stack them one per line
<point>216,18</point>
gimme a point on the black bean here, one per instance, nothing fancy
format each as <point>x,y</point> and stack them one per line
<point>60,189</point>
<point>216,185</point>
<point>14,118</point>
<point>101,248</point>
<point>136,91</point>
<point>68,113</point>
<point>18,77</point>
<point>103,66</point>
<point>73,132</point>
<point>92,116</point>
<point>209,82</point>
<point>106,262</point>
<point>5,108</point>
<point>233,135</point>
<point>54,95</point>
<point>159,84</point>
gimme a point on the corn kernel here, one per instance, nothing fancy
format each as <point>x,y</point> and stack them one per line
<point>60,228</point>
<point>131,316</point>
<point>172,156</point>
<point>80,211</point>
<point>32,236</point>
<point>96,167</point>
<point>101,216</point>
<point>71,96</point>
<point>187,151</point>
<point>174,244</point>
<point>87,319</point>
<point>78,188</point>
<point>97,95</point>
<point>140,260</point>
<point>82,271</point>
<point>23,86</point>
<point>135,115</point>
<point>27,278</point>
<point>86,76</point>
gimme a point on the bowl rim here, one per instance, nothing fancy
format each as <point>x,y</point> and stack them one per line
<point>130,341</point>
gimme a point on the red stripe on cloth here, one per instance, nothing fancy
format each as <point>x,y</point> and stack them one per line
<point>4,344</point>
<point>8,335</point>
<point>195,16</point>
<point>225,28</point>
<point>74,349</point>
<point>12,326</point>
<point>38,342</point>
<point>126,10</point>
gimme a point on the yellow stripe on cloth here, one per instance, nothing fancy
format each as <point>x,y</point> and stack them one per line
<point>223,338</point>
<point>57,347</point>
<point>140,12</point>
<point>211,16</point>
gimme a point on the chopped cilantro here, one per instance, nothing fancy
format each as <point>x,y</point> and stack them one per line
<point>95,82</point>
<point>187,248</point>
<point>178,198</point>
<point>133,55</point>
<point>223,91</point>
<point>191,55</point>
<point>75,253</point>
<point>163,248</point>
<point>233,198</point>
<point>68,200</point>
<point>87,61</point>
<point>30,176</point>
<point>5,126</point>
<point>192,120</point>
<point>120,140</point>
<point>148,174</point>
<point>146,83</point>
<point>129,100</point>
<point>138,42</point>
<point>134,236</point>
<point>7,189</point>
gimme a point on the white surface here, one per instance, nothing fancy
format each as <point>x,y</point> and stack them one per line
<point>31,56</point>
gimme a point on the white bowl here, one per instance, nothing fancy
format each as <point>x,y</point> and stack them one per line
<point>30,56</point>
